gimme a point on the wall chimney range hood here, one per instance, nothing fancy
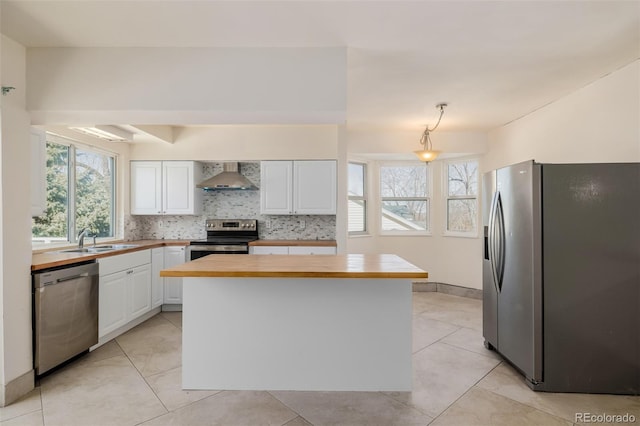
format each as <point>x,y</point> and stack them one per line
<point>230,178</point>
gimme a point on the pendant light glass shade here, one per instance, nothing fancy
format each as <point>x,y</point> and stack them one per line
<point>427,155</point>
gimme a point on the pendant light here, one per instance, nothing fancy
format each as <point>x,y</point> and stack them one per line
<point>427,153</point>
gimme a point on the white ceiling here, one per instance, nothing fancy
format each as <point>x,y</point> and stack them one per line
<point>492,61</point>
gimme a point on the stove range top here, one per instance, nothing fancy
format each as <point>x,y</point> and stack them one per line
<point>229,232</point>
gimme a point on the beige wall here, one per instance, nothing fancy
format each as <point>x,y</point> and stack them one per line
<point>598,123</point>
<point>244,143</point>
<point>15,248</point>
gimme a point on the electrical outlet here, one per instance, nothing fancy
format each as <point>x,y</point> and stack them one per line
<point>268,224</point>
<point>302,224</point>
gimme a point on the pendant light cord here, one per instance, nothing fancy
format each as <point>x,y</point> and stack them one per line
<point>426,139</point>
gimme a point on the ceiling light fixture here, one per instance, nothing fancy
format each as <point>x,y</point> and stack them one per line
<point>427,153</point>
<point>110,133</point>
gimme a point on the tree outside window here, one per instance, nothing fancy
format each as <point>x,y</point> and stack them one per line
<point>404,198</point>
<point>80,194</point>
<point>462,197</point>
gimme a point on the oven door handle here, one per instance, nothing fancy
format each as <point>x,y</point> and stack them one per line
<point>214,248</point>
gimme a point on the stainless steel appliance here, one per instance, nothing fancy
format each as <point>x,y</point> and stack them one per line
<point>65,314</point>
<point>561,274</point>
<point>225,236</point>
<point>230,178</point>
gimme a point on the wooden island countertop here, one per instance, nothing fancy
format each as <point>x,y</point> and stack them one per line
<point>306,266</point>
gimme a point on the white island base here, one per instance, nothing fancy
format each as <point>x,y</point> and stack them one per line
<point>323,334</point>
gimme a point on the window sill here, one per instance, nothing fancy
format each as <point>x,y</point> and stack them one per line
<point>405,234</point>
<point>460,234</point>
<point>359,236</point>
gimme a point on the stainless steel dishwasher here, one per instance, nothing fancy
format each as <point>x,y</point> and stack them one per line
<point>65,314</point>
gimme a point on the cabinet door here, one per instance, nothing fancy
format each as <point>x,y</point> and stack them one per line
<point>172,285</point>
<point>178,187</point>
<point>269,249</point>
<point>312,250</point>
<point>157,282</point>
<point>38,172</point>
<point>139,291</point>
<point>276,187</point>
<point>146,187</point>
<point>314,187</point>
<point>112,312</point>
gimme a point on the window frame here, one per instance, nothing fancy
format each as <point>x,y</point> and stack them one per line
<point>364,198</point>
<point>428,198</point>
<point>447,197</point>
<point>72,232</point>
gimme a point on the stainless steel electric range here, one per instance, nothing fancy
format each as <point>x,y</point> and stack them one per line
<point>225,236</point>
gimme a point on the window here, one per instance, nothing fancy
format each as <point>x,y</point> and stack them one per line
<point>357,221</point>
<point>404,198</point>
<point>80,194</point>
<point>462,197</point>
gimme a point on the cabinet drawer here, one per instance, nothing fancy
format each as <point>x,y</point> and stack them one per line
<point>269,250</point>
<point>121,262</point>
<point>311,250</point>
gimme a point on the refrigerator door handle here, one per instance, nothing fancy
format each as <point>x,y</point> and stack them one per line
<point>491,237</point>
<point>499,261</point>
<point>496,241</point>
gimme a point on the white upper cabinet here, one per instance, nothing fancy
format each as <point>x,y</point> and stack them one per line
<point>38,172</point>
<point>276,187</point>
<point>146,187</point>
<point>298,187</point>
<point>165,187</point>
<point>314,187</point>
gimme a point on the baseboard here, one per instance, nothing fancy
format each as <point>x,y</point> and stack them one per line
<point>171,308</point>
<point>17,388</point>
<point>454,290</point>
<point>128,326</point>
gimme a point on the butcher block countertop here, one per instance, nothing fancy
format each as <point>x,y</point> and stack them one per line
<point>307,266</point>
<point>304,243</point>
<point>53,258</point>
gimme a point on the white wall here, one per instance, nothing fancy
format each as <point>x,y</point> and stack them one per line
<point>15,248</point>
<point>447,259</point>
<point>598,123</point>
<point>186,85</point>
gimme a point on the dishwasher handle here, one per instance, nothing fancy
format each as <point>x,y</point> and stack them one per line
<point>61,280</point>
<point>48,278</point>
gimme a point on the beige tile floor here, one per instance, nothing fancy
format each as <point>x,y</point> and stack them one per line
<point>135,380</point>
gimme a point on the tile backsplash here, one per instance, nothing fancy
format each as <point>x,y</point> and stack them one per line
<point>231,204</point>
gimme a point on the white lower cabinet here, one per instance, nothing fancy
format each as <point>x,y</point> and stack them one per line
<point>269,250</point>
<point>139,289</point>
<point>112,313</point>
<point>173,255</point>
<point>157,282</point>
<point>292,250</point>
<point>125,289</point>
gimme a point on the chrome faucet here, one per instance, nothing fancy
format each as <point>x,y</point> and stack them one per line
<point>83,233</point>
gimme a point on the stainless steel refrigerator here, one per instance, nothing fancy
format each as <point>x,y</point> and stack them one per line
<point>561,274</point>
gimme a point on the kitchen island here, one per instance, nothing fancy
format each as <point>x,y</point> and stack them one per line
<point>308,322</point>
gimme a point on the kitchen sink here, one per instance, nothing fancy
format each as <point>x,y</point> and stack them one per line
<point>116,246</point>
<point>99,249</point>
<point>87,250</point>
